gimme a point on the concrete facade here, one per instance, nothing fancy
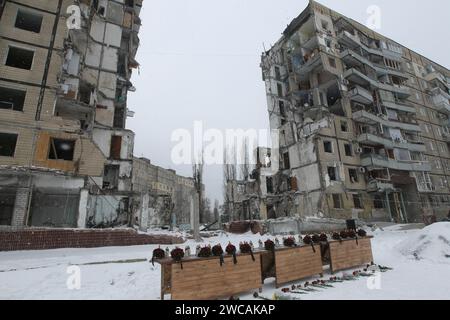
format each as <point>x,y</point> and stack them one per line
<point>66,155</point>
<point>363,123</point>
<point>164,197</point>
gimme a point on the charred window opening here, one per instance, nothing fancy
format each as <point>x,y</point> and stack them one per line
<point>353,174</point>
<point>61,149</point>
<point>20,58</point>
<point>280,90</point>
<point>116,147</point>
<point>8,142</point>
<point>286,160</point>
<point>28,21</point>
<point>344,126</point>
<point>337,201</point>
<point>12,99</point>
<point>357,201</point>
<point>85,94</point>
<point>269,184</point>
<point>129,3</point>
<point>111,177</point>
<point>332,173</point>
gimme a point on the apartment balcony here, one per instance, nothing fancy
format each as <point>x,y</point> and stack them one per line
<point>441,100</point>
<point>361,95</point>
<point>309,65</point>
<point>349,40</point>
<point>379,186</point>
<point>356,76</point>
<point>375,140</point>
<point>399,106</point>
<point>372,119</point>
<point>378,162</point>
<point>437,76</point>
<point>400,90</point>
<point>354,41</point>
<point>351,58</point>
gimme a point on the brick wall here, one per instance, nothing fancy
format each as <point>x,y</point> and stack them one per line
<point>42,239</point>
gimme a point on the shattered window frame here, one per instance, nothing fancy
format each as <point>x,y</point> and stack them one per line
<point>6,150</point>
<point>59,153</point>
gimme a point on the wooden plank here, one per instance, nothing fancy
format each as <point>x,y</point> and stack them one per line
<point>297,263</point>
<point>350,253</point>
<point>203,279</point>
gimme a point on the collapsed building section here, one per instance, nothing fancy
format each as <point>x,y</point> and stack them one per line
<point>363,124</point>
<point>65,154</point>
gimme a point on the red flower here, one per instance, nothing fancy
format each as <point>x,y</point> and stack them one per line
<point>323,237</point>
<point>307,239</point>
<point>245,247</point>
<point>205,252</point>
<point>159,253</point>
<point>177,254</point>
<point>289,242</point>
<point>336,236</point>
<point>269,245</point>
<point>217,250</point>
<point>230,249</point>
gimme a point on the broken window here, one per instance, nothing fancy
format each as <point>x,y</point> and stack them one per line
<point>8,142</point>
<point>280,90</point>
<point>332,62</point>
<point>12,99</point>
<point>119,117</point>
<point>282,108</point>
<point>129,3</point>
<point>85,94</point>
<point>28,21</point>
<point>61,149</point>
<point>348,150</point>
<point>269,184</point>
<point>337,201</point>
<point>378,202</point>
<point>286,160</point>
<point>7,200</point>
<point>353,174</point>
<point>111,177</point>
<point>332,173</point>
<point>277,73</point>
<point>328,146</point>
<point>116,147</point>
<point>20,58</point>
<point>357,201</point>
<point>344,126</point>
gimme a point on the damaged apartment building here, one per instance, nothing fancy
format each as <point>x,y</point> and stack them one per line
<point>65,154</point>
<point>363,123</point>
<point>163,198</point>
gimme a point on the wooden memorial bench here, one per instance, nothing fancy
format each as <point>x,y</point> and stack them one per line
<point>206,279</point>
<point>288,264</point>
<point>349,253</point>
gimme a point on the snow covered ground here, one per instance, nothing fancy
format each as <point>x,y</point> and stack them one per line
<point>420,259</point>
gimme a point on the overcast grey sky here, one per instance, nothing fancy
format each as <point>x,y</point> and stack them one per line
<point>200,61</point>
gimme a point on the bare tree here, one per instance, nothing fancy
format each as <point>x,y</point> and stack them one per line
<point>197,171</point>
<point>229,177</point>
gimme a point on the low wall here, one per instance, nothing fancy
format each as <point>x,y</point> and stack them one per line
<point>43,239</point>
